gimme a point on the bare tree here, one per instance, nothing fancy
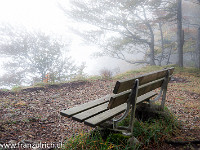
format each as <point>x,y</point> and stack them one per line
<point>162,44</point>
<point>32,54</point>
<point>180,33</point>
<point>119,27</point>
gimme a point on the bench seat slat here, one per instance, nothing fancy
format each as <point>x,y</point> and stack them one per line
<point>90,112</point>
<point>107,115</point>
<point>75,110</point>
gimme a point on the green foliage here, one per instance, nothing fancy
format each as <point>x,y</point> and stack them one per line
<point>79,78</point>
<point>155,129</point>
<point>17,88</point>
<point>93,78</point>
<point>40,84</point>
<point>94,141</point>
<point>3,89</point>
<point>118,139</point>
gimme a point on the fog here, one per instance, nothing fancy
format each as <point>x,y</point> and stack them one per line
<point>49,21</point>
<point>45,16</point>
<point>94,65</point>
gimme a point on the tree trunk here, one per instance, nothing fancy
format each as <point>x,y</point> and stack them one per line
<point>151,45</point>
<point>179,34</point>
<point>197,62</point>
<point>162,44</point>
<point>169,55</point>
<point>151,55</point>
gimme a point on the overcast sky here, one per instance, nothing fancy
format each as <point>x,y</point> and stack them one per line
<point>46,16</point>
<point>43,14</point>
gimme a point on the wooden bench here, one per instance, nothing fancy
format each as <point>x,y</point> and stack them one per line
<point>126,95</point>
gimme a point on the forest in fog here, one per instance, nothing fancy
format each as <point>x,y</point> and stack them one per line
<point>147,32</point>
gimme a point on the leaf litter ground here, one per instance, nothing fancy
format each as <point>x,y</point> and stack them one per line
<point>32,115</point>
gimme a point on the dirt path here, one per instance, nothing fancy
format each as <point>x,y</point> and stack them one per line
<point>32,115</point>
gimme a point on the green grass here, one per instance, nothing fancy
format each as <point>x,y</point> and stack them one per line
<point>94,141</point>
<point>129,74</point>
<point>153,131</point>
<point>17,88</point>
<point>187,71</point>
<point>5,90</point>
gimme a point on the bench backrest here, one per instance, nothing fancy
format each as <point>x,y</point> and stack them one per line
<point>147,83</point>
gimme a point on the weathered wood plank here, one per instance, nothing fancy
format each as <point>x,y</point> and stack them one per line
<point>118,99</point>
<point>121,98</point>
<point>145,97</point>
<point>73,111</point>
<point>150,86</point>
<point>107,115</point>
<point>90,112</point>
<point>127,84</point>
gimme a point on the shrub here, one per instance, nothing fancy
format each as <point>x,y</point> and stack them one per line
<point>106,74</point>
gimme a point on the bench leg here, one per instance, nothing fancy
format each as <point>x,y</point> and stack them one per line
<point>131,102</point>
<point>132,118</point>
<point>165,90</point>
<point>152,102</point>
<point>163,99</point>
<point>162,93</point>
<point>133,99</point>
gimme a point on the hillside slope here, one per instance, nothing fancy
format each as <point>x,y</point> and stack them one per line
<point>32,115</point>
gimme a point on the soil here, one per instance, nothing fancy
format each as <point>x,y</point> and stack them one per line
<point>32,115</point>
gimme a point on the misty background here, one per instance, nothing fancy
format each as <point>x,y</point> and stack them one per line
<point>58,40</point>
